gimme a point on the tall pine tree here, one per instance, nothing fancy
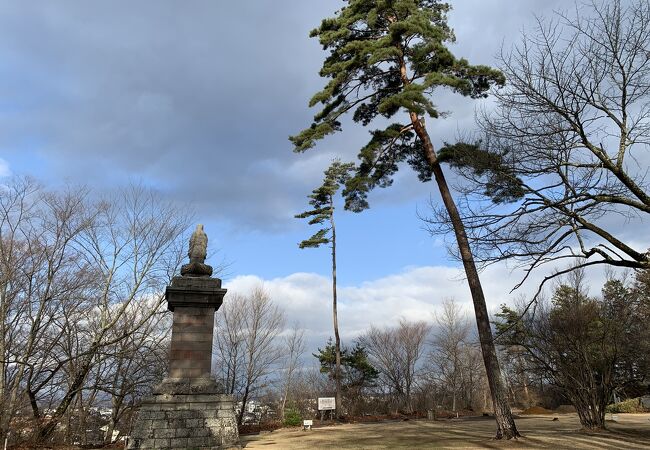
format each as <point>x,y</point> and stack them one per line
<point>387,57</point>
<point>322,202</point>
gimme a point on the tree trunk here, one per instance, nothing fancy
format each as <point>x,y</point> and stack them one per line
<point>409,404</point>
<point>117,405</point>
<point>524,380</point>
<point>243,405</point>
<point>591,418</point>
<point>232,380</point>
<point>470,392</point>
<point>283,405</point>
<point>506,427</point>
<point>34,404</point>
<point>453,400</point>
<point>337,339</point>
<point>82,419</point>
<point>110,427</point>
<point>5,416</point>
<point>48,428</point>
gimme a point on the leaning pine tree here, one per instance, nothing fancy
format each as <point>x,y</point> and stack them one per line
<point>322,202</point>
<point>387,57</point>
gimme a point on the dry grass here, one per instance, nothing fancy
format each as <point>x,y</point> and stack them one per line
<point>631,431</point>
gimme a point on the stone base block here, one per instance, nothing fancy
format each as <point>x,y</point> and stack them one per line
<point>186,421</point>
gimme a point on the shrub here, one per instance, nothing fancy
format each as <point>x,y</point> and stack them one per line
<point>292,417</point>
<point>631,405</point>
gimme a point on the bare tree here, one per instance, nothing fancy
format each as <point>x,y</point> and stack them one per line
<point>396,352</point>
<point>449,347</point>
<point>294,348</point>
<point>567,145</point>
<point>41,278</point>
<point>454,358</point>
<point>80,281</point>
<point>229,343</point>
<point>134,244</point>
<point>247,348</point>
<point>134,365</point>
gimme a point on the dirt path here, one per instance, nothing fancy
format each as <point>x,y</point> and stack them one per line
<point>630,431</point>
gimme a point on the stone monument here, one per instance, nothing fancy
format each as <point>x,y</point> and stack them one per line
<point>189,409</point>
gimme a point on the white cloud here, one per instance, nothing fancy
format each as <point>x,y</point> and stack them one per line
<point>4,168</point>
<point>416,293</point>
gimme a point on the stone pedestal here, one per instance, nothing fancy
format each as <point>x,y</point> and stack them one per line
<point>188,410</point>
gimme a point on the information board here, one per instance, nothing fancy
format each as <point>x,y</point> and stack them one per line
<point>326,403</point>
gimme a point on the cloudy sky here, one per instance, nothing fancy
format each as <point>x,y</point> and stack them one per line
<point>197,99</point>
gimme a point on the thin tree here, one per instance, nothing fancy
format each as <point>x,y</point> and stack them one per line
<point>388,57</point>
<point>133,366</point>
<point>448,345</point>
<point>396,353</point>
<point>229,343</point>
<point>246,333</point>
<point>322,200</point>
<point>294,347</point>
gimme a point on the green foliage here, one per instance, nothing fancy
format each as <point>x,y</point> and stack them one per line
<point>292,417</point>
<point>386,57</point>
<point>631,405</point>
<point>502,185</point>
<point>627,308</point>
<point>322,202</point>
<point>357,372</point>
<point>589,346</point>
<point>510,328</point>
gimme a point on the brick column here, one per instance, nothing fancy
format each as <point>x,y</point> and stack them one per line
<point>193,301</point>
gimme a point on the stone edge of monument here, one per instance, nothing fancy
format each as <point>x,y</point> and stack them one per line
<point>184,386</point>
<point>194,292</point>
<point>200,421</point>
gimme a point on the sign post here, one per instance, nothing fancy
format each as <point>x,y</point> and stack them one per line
<point>326,404</point>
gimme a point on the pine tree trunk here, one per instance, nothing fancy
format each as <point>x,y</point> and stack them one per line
<point>506,427</point>
<point>337,339</point>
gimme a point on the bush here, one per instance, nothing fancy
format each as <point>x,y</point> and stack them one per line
<point>631,405</point>
<point>292,417</point>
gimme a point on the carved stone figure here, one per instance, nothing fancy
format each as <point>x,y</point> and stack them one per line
<point>197,252</point>
<point>198,245</point>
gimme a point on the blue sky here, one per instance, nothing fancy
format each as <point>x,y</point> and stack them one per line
<point>198,98</point>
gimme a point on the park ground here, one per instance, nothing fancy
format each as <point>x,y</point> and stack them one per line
<point>628,431</point>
